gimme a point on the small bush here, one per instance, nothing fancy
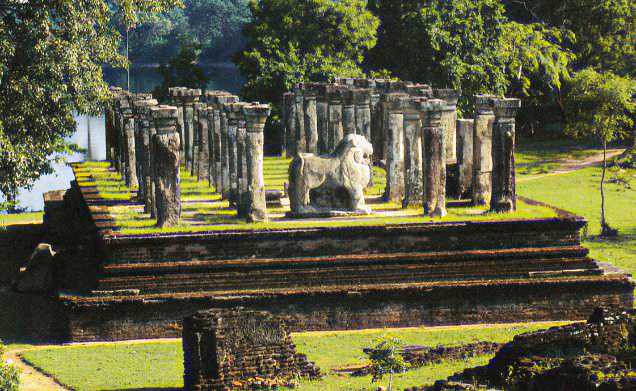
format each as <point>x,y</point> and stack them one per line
<point>9,373</point>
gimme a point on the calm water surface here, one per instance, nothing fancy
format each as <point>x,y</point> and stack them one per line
<point>90,130</point>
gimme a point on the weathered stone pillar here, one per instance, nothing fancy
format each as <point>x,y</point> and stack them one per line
<point>336,132</point>
<point>190,97</point>
<point>130,167</point>
<point>434,155</point>
<point>122,103</point>
<point>111,125</point>
<point>289,107</point>
<point>482,149</point>
<point>377,123</point>
<point>203,145</point>
<point>395,158</point>
<point>226,184</point>
<point>348,113</point>
<point>504,197</point>
<point>234,113</point>
<point>143,122</point>
<point>322,113</point>
<point>449,121</point>
<point>299,126</point>
<point>414,186</point>
<point>166,150</point>
<point>241,166</point>
<point>362,100</point>
<point>311,123</point>
<point>177,101</point>
<point>465,130</point>
<point>256,116</point>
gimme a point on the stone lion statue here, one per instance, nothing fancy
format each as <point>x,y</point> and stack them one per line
<point>346,171</point>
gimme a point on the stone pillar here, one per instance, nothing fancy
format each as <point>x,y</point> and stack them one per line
<point>299,126</point>
<point>289,107</point>
<point>256,116</point>
<point>190,97</point>
<point>336,132</point>
<point>348,113</point>
<point>203,147</point>
<point>177,101</point>
<point>395,158</point>
<point>449,121</point>
<point>322,113</point>
<point>465,130</point>
<point>143,122</point>
<point>122,105</point>
<point>241,164</point>
<point>130,167</point>
<point>434,155</point>
<point>413,177</point>
<point>482,149</point>
<point>226,187</point>
<point>166,148</point>
<point>111,125</point>
<point>311,123</point>
<point>362,100</point>
<point>504,197</point>
<point>233,112</point>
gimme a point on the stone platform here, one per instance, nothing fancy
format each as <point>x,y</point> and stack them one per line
<point>327,278</point>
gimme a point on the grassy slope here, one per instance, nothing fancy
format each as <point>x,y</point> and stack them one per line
<point>578,192</point>
<point>160,364</point>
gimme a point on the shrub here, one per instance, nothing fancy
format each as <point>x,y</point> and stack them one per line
<point>9,374</point>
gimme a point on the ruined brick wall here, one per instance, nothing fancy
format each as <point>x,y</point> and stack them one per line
<point>240,349</point>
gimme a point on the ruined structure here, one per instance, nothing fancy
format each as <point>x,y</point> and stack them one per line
<point>240,349</point>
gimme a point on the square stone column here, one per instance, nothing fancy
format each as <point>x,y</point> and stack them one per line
<point>362,101</point>
<point>449,121</point>
<point>504,196</point>
<point>177,101</point>
<point>300,141</point>
<point>434,156</point>
<point>256,116</point>
<point>166,147</point>
<point>289,108</point>
<point>482,149</point>
<point>395,153</point>
<point>465,131</point>
<point>336,132</point>
<point>234,114</point>
<point>203,144</point>
<point>144,124</point>
<point>130,160</point>
<point>413,177</point>
<point>226,184</point>
<point>322,113</point>
<point>311,122</point>
<point>241,163</point>
<point>190,97</point>
<point>348,113</point>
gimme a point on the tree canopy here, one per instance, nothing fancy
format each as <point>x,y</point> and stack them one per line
<point>51,57</point>
<point>290,41</point>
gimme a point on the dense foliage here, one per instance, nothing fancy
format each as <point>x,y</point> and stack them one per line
<point>291,41</point>
<point>51,56</point>
<point>214,26</point>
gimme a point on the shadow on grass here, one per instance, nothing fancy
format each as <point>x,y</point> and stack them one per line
<point>147,389</point>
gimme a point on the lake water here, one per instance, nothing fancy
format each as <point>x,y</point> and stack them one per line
<point>90,134</point>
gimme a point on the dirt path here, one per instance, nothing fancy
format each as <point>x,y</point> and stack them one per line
<point>30,378</point>
<point>570,165</point>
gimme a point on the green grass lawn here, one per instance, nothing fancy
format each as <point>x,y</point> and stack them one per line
<point>541,157</point>
<point>158,365</point>
<point>203,209</point>
<point>578,192</point>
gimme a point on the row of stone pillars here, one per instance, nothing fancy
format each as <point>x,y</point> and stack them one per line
<point>415,133</point>
<point>217,139</point>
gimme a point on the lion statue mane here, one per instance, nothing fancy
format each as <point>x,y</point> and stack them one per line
<point>347,167</point>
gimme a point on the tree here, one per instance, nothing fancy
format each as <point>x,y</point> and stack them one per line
<point>468,45</point>
<point>600,105</point>
<point>51,57</point>
<point>291,41</point>
<point>386,358</point>
<point>181,71</point>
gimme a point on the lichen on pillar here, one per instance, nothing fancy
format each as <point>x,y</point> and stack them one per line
<point>413,187</point>
<point>311,122</point>
<point>203,149</point>
<point>166,149</point>
<point>322,114</point>
<point>335,118</point>
<point>362,100</point>
<point>449,121</point>
<point>504,198</point>
<point>299,123</point>
<point>482,150</point>
<point>434,157</point>
<point>144,124</point>
<point>348,113</point>
<point>395,153</point>
<point>465,131</point>
<point>256,116</point>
